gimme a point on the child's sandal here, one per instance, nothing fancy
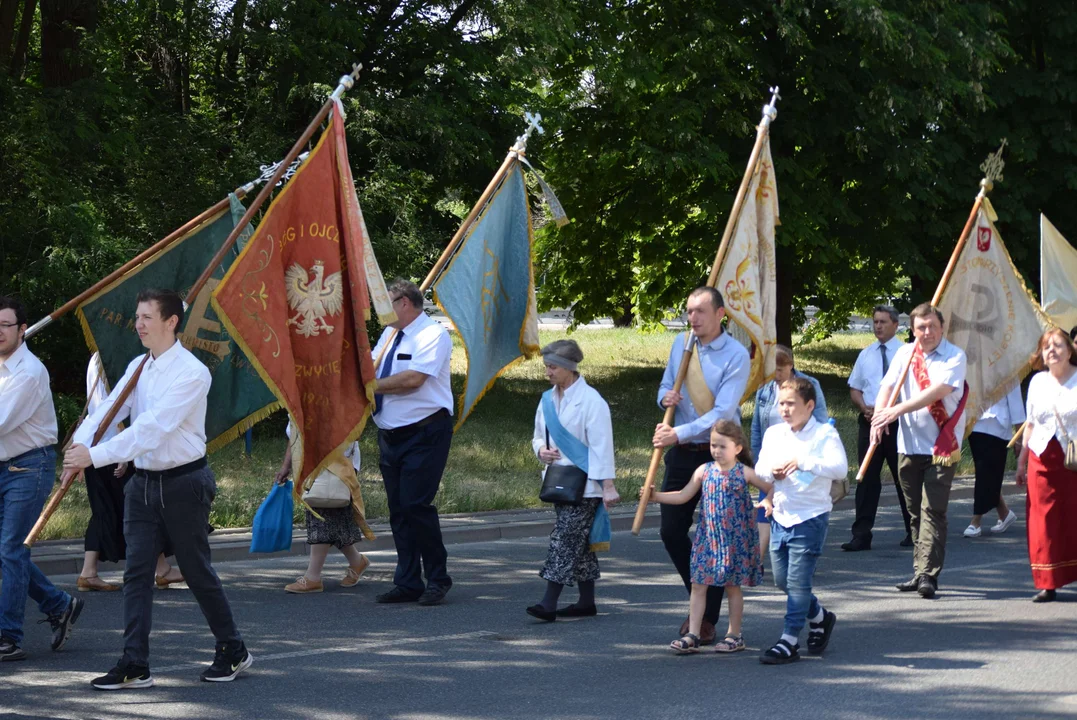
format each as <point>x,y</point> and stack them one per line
<point>687,644</point>
<point>730,644</point>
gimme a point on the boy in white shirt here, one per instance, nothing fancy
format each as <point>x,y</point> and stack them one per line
<point>802,457</point>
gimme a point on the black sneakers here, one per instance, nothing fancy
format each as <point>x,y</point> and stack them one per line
<point>10,650</point>
<point>228,662</point>
<point>125,676</point>
<point>62,623</point>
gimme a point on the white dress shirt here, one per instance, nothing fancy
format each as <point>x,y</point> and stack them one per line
<point>27,417</point>
<point>586,416</point>
<point>726,365</point>
<point>427,348</point>
<point>868,372</point>
<point>167,410</point>
<point>1045,396</point>
<point>999,419</point>
<point>820,456</point>
<point>97,393</point>
<point>918,431</point>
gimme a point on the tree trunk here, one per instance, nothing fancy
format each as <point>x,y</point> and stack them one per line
<point>22,40</point>
<point>8,11</point>
<point>62,24</point>
<point>783,313</point>
<point>627,316</point>
<point>235,38</point>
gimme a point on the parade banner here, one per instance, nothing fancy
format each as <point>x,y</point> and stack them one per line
<point>747,276</point>
<point>1058,276</point>
<point>991,315</point>
<point>297,302</point>
<point>488,290</point>
<point>237,398</point>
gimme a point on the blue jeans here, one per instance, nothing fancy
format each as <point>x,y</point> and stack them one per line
<point>794,551</point>
<point>25,482</point>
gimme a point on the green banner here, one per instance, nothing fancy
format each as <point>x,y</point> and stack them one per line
<point>238,398</point>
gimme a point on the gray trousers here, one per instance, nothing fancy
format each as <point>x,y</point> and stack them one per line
<point>926,488</point>
<point>175,509</point>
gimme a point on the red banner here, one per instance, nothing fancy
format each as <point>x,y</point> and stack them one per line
<point>296,300</point>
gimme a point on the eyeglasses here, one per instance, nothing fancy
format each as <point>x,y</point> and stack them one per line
<point>8,326</point>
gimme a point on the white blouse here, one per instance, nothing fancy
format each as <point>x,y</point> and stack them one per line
<point>585,415</point>
<point>1045,396</point>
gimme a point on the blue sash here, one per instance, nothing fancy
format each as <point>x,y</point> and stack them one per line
<point>576,452</point>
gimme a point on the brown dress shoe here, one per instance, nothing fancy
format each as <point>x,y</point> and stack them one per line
<point>706,632</point>
<point>94,583</point>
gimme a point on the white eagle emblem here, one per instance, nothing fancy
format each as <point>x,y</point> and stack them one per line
<point>313,299</point>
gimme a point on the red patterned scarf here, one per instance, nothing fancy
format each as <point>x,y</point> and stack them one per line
<point>946,450</point>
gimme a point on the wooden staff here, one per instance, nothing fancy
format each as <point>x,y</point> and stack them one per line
<point>985,187</point>
<point>346,82</point>
<point>769,113</point>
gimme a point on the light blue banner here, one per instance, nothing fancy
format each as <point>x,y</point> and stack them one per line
<point>486,290</point>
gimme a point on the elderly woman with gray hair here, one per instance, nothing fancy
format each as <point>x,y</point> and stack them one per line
<point>574,438</point>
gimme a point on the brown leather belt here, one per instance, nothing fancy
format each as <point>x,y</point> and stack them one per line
<point>695,447</point>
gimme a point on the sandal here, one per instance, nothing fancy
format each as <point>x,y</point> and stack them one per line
<point>687,644</point>
<point>168,578</point>
<point>730,644</point>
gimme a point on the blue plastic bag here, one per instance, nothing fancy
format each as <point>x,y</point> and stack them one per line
<point>272,530</point>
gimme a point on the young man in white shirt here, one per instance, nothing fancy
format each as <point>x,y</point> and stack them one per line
<point>724,365</point>
<point>27,473</point>
<point>170,495</point>
<point>802,457</point>
<point>930,411</point>
<point>413,412</point>
<point>871,366</point>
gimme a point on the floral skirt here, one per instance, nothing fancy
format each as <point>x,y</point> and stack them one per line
<point>569,559</point>
<point>337,528</point>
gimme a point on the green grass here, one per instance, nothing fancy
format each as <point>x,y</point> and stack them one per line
<point>491,466</point>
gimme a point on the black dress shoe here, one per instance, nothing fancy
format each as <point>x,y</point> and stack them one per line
<point>433,596</point>
<point>909,585</point>
<point>1044,596</point>
<point>397,595</point>
<point>856,545</point>
<point>907,542</point>
<point>927,587</point>
<point>537,611</point>
<point>578,611</point>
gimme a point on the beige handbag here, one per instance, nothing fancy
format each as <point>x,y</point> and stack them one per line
<point>839,489</point>
<point>328,491</point>
<point>1071,449</point>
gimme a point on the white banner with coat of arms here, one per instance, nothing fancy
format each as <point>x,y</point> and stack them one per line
<point>747,277</point>
<point>991,315</point>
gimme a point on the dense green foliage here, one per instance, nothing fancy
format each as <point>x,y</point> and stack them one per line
<point>120,120</point>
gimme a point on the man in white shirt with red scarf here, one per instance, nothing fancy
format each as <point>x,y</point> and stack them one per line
<point>930,413</point>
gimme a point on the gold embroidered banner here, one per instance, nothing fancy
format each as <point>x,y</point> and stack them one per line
<point>747,277</point>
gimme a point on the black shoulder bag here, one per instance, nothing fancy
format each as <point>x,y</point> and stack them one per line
<point>562,484</point>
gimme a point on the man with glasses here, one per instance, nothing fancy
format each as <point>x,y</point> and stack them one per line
<point>27,473</point>
<point>413,412</point>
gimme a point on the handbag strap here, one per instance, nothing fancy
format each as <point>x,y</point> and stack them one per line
<point>1061,425</point>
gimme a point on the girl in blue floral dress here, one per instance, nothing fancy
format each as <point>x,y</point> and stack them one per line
<point>726,548</point>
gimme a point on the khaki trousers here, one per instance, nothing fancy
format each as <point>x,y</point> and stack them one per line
<point>926,488</point>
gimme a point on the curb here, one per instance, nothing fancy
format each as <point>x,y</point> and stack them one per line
<point>63,557</point>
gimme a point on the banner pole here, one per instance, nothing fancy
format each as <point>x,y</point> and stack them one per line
<point>346,82</point>
<point>770,112</point>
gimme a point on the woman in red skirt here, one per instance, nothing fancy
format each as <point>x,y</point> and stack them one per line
<point>1052,489</point>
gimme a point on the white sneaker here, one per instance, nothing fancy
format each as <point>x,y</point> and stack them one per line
<point>972,531</point>
<point>1003,525</point>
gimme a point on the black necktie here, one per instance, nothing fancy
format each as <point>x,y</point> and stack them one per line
<point>886,360</point>
<point>387,369</point>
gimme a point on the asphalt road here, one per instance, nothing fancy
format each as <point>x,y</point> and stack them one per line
<point>979,650</point>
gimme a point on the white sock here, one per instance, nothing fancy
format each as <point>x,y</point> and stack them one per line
<point>791,639</point>
<point>818,618</point>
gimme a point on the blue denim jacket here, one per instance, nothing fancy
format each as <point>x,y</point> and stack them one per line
<point>766,396</point>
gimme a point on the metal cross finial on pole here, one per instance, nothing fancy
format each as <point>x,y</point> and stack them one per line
<point>770,111</point>
<point>532,125</point>
<point>992,168</point>
<point>347,82</point>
